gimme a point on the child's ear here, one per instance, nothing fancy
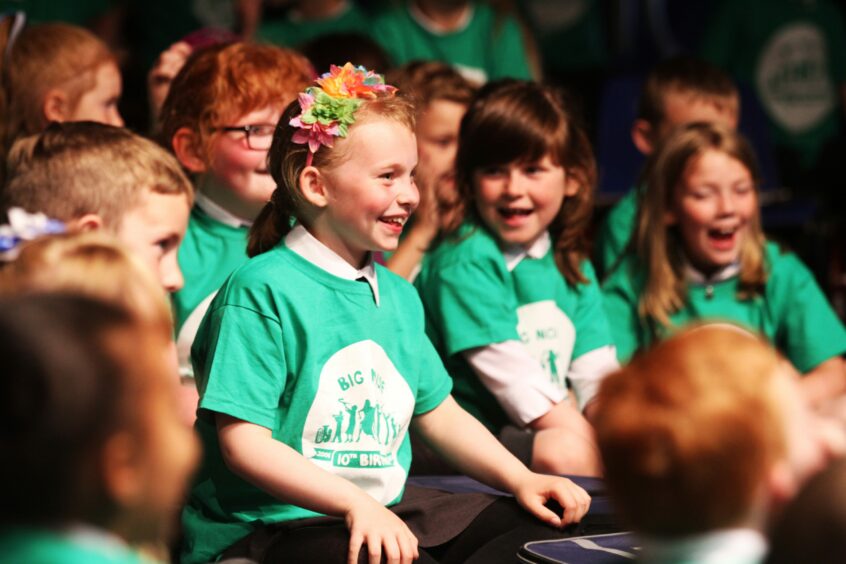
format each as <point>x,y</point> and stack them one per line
<point>88,222</point>
<point>572,183</point>
<point>185,145</point>
<point>670,217</point>
<point>642,133</point>
<point>55,105</point>
<point>121,466</point>
<point>313,187</point>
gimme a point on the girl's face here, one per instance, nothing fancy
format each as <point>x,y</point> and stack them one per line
<point>239,173</point>
<point>518,201</point>
<point>371,194</point>
<point>100,103</point>
<point>712,207</point>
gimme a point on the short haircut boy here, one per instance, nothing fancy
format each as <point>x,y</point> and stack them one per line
<point>76,168</point>
<point>686,75</point>
<point>427,81</point>
<point>689,431</point>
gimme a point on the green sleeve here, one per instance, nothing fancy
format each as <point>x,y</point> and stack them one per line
<point>433,383</point>
<point>591,322</point>
<point>621,303</point>
<point>240,364</point>
<point>809,332</point>
<point>616,232</point>
<point>471,305</point>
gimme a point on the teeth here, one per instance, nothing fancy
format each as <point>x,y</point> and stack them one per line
<point>397,220</point>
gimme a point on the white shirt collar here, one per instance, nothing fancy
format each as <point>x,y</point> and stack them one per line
<point>217,212</point>
<point>426,23</point>
<point>514,254</point>
<point>307,246</point>
<point>696,277</point>
<point>730,546</point>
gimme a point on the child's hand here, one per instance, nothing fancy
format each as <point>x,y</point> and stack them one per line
<point>534,491</point>
<point>163,72</point>
<point>372,524</point>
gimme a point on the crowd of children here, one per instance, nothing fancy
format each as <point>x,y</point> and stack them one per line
<point>242,285</point>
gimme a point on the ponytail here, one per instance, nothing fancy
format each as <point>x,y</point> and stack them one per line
<point>272,224</point>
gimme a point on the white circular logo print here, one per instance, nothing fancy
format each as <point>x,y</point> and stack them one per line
<point>359,418</point>
<point>792,78</point>
<point>549,336</point>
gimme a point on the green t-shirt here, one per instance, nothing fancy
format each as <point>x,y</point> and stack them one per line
<point>473,300</point>
<point>792,52</point>
<point>209,253</point>
<point>32,546</point>
<point>286,32</point>
<point>792,312</point>
<point>310,356</point>
<point>615,233</point>
<point>487,48</point>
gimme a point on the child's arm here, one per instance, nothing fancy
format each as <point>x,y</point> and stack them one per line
<point>826,382</point>
<point>252,453</point>
<point>476,452</point>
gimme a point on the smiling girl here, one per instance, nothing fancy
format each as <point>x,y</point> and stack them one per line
<point>701,254</point>
<point>312,362</point>
<point>512,303</point>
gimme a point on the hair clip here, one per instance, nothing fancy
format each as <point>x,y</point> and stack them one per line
<point>328,109</point>
<point>24,226</point>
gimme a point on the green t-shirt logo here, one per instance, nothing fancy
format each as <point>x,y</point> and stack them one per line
<point>359,418</point>
<point>549,335</point>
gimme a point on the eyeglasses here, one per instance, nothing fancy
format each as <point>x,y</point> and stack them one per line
<point>259,136</point>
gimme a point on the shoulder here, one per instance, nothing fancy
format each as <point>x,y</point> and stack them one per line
<point>782,264</point>
<point>626,278</point>
<point>470,244</point>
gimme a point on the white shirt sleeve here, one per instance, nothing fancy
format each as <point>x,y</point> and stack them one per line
<point>515,379</point>
<point>587,371</point>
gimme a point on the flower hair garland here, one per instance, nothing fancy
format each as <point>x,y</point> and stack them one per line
<point>328,109</point>
<point>25,226</point>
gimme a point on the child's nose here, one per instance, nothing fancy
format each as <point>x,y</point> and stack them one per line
<point>514,184</point>
<point>727,204</point>
<point>409,195</point>
<point>170,275</point>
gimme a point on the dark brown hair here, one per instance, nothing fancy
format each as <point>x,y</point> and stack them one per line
<point>516,121</point>
<point>687,75</point>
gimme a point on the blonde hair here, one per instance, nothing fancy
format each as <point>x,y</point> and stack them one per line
<point>659,246</point>
<point>287,160</point>
<point>513,121</point>
<point>689,429</point>
<point>92,264</point>
<point>76,168</point>
<point>44,57</point>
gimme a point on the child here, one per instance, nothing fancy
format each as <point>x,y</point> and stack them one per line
<point>312,361</point>
<point>702,437</point>
<point>481,41</point>
<point>700,254</point>
<point>95,176</point>
<point>92,264</point>
<point>676,92</point>
<point>100,458</point>
<point>55,72</point>
<point>441,96</point>
<point>218,119</point>
<point>512,304</point>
